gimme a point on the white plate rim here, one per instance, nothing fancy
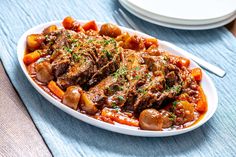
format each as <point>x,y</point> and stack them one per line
<point>175,20</point>
<point>177,26</point>
<point>115,128</point>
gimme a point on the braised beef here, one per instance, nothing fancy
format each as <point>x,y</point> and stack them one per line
<point>78,73</point>
<point>115,72</point>
<point>115,76</point>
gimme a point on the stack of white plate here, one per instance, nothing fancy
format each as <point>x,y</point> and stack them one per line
<point>183,14</point>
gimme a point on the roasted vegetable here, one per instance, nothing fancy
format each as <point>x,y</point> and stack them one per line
<point>31,57</point>
<point>90,25</point>
<point>197,74</point>
<point>49,29</point>
<point>202,102</point>
<point>55,89</point>
<point>150,119</point>
<point>68,22</point>
<point>119,117</point>
<point>72,96</point>
<point>110,30</point>
<point>44,72</point>
<point>150,42</point>
<point>134,43</point>
<point>183,62</point>
<point>87,105</point>
<point>34,41</point>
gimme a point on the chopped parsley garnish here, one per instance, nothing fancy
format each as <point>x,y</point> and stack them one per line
<point>74,40</point>
<point>148,75</point>
<point>51,42</point>
<point>137,77</point>
<point>76,57</point>
<point>121,98</point>
<point>176,88</point>
<point>137,68</point>
<point>68,35</point>
<point>46,37</point>
<point>172,117</point>
<point>141,90</point>
<point>76,44</point>
<point>107,53</point>
<point>114,88</point>
<point>90,40</point>
<point>122,71</point>
<point>114,106</point>
<point>106,42</point>
<point>175,103</point>
<point>68,49</point>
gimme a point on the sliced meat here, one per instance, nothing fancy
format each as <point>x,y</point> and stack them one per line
<point>171,79</point>
<point>156,64</point>
<point>79,73</point>
<point>106,70</point>
<point>63,38</point>
<point>97,93</point>
<point>60,63</point>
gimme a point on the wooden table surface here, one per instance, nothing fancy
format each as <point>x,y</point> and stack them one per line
<point>19,136</point>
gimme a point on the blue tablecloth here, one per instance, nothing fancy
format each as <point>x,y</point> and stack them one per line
<point>67,136</point>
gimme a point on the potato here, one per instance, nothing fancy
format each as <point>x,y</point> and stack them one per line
<point>87,105</point>
<point>150,119</point>
<point>34,41</point>
<point>149,42</point>
<point>110,30</point>
<point>123,37</point>
<point>49,29</point>
<point>44,72</point>
<point>134,43</point>
<point>72,96</point>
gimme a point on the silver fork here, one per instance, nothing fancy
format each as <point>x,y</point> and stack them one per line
<point>122,18</point>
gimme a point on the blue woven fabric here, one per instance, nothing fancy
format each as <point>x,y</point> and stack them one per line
<point>67,136</point>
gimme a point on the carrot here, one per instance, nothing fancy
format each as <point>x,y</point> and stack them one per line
<point>118,117</point>
<point>79,29</point>
<point>31,57</point>
<point>90,25</point>
<point>197,74</point>
<point>55,89</point>
<point>68,22</point>
<point>183,62</point>
<point>202,102</point>
<point>149,42</point>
